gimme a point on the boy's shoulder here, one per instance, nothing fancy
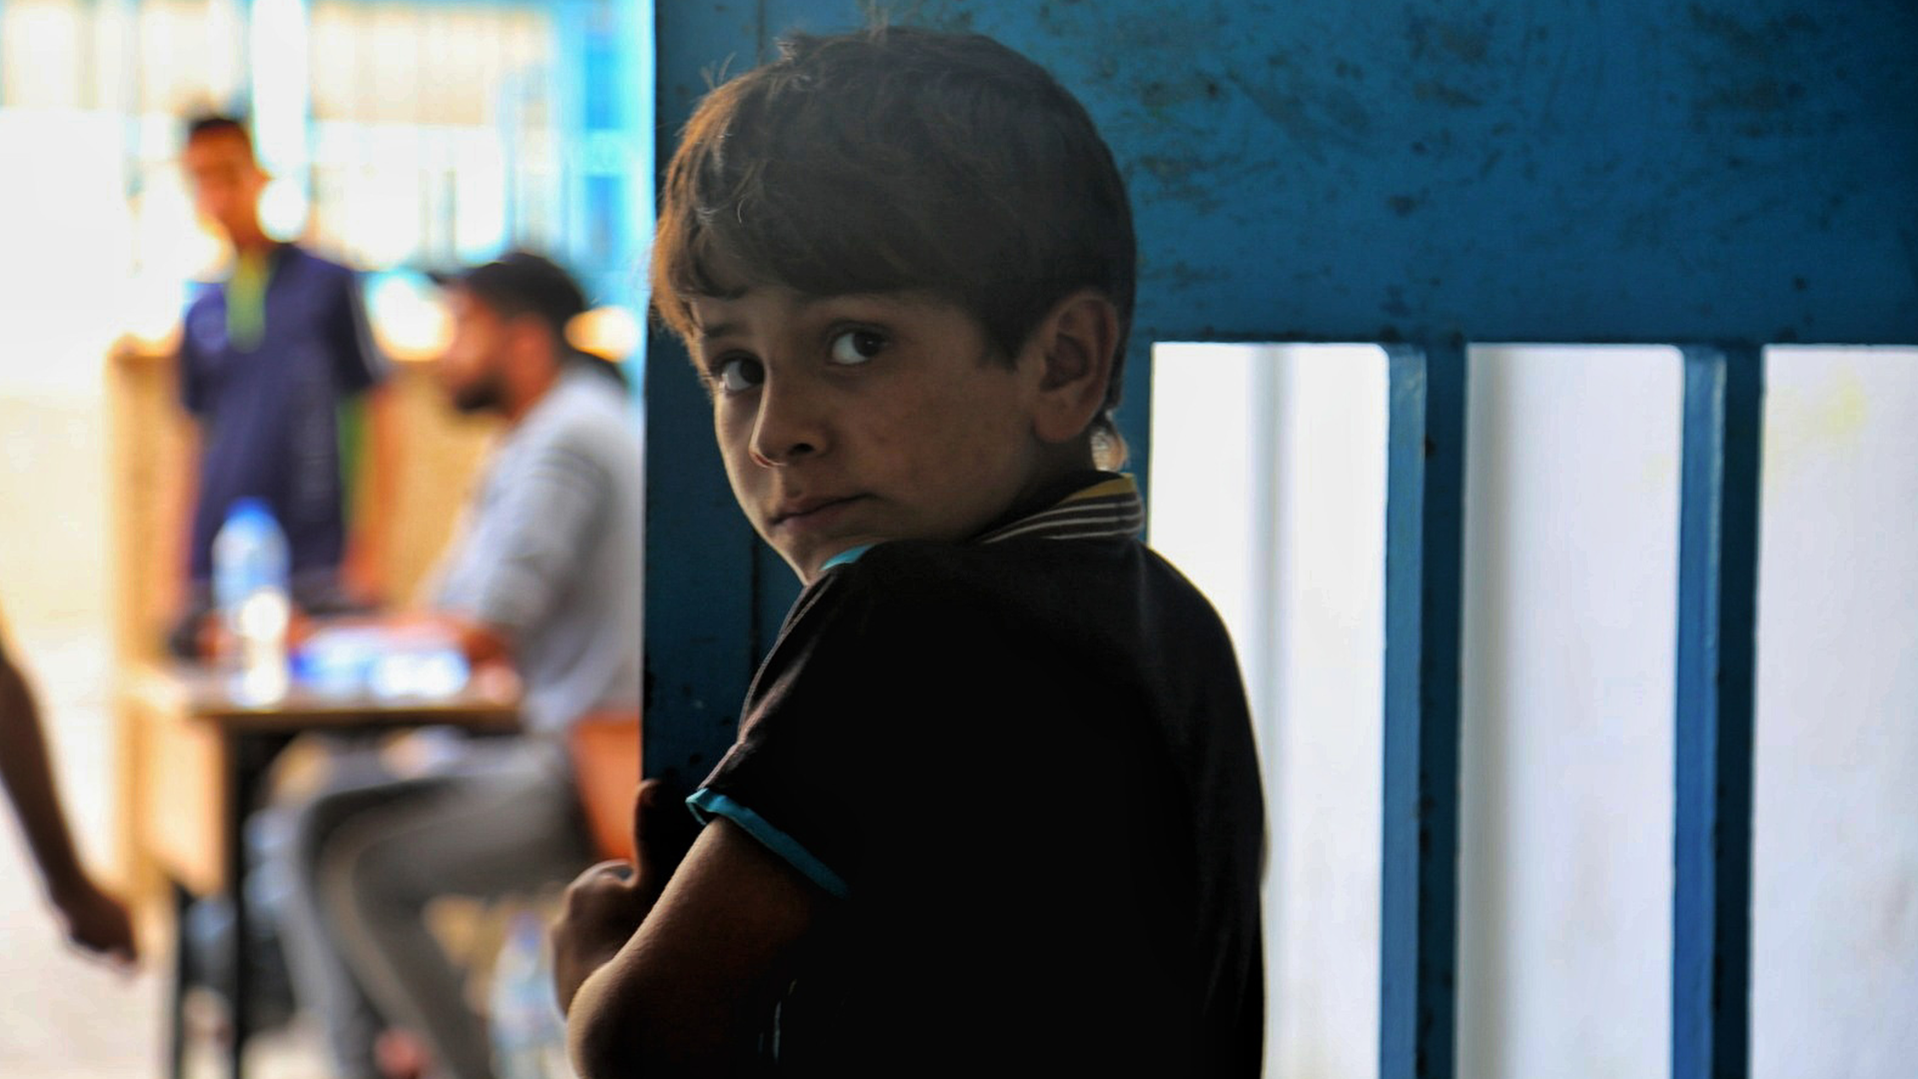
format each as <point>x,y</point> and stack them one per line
<point>1104,595</point>
<point>975,575</point>
<point>904,594</point>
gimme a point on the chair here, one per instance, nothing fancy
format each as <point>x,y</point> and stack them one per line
<point>605,748</point>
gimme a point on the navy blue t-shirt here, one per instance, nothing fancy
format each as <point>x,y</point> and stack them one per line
<point>1024,767</point>
<point>269,416</point>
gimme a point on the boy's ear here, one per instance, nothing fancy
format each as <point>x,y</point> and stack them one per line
<point>1075,342</point>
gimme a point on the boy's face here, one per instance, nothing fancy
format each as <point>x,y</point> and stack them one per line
<point>849,420</point>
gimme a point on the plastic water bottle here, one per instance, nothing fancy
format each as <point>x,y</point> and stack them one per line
<point>529,1037</point>
<point>250,588</point>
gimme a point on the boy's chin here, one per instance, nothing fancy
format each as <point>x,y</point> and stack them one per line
<point>810,564</point>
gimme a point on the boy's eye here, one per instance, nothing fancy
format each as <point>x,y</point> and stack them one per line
<point>739,373</point>
<point>855,346</point>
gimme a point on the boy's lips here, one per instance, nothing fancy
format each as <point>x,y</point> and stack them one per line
<point>809,513</point>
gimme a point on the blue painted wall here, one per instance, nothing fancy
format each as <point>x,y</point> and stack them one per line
<point>1567,171</point>
<point>704,591</point>
<point>1717,173</point>
<point>1571,170</point>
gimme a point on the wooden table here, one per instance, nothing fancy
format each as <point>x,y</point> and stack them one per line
<point>195,760</point>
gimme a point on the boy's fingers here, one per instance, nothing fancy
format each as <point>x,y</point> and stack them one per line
<point>646,799</point>
<point>662,832</point>
<point>654,811</point>
<point>615,869</point>
<point>601,911</point>
<point>605,887</point>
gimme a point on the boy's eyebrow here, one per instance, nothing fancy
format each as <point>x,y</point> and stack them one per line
<point>803,303</point>
<point>727,329</point>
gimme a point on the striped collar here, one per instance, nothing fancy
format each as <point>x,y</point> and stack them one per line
<point>1105,505</point>
<point>1108,507</point>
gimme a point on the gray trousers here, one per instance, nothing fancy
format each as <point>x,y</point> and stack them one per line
<point>497,816</point>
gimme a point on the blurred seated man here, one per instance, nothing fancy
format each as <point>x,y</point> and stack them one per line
<point>94,920</point>
<point>546,576</point>
<point>275,365</point>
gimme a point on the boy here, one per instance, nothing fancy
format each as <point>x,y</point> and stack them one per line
<point>994,803</point>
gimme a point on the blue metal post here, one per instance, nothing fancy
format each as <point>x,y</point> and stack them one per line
<point>1717,646</point>
<point>1424,511</point>
<point>701,598</point>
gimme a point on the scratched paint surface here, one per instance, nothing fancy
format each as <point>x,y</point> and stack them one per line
<point>1549,171</point>
<point>1537,170</point>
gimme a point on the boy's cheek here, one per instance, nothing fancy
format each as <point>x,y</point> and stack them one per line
<point>747,482</point>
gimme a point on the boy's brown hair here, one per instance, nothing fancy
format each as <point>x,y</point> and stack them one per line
<point>898,160</point>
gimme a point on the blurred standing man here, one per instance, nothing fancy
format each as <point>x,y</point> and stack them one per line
<point>273,366</point>
<point>94,920</point>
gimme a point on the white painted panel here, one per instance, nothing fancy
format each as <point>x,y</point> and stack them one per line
<point>1835,860</point>
<point>1328,690</point>
<point>1205,406</point>
<point>1268,489</point>
<point>1566,777</point>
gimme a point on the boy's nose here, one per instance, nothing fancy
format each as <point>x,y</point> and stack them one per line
<point>790,425</point>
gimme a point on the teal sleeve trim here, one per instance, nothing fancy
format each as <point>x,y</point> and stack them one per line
<point>707,804</point>
<point>847,556</point>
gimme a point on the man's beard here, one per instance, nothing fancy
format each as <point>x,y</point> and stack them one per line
<point>484,394</point>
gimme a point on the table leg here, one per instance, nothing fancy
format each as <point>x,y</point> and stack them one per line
<point>176,998</point>
<point>243,782</point>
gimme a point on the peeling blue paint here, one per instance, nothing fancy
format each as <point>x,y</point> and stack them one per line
<point>1621,153</point>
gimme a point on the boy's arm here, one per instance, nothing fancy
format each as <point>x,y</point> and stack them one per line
<point>94,920</point>
<point>688,992</point>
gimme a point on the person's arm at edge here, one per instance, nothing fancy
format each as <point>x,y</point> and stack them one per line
<point>689,991</point>
<point>94,920</point>
<point>482,644</point>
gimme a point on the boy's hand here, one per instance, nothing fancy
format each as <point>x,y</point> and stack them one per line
<point>606,904</point>
<point>603,910</point>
